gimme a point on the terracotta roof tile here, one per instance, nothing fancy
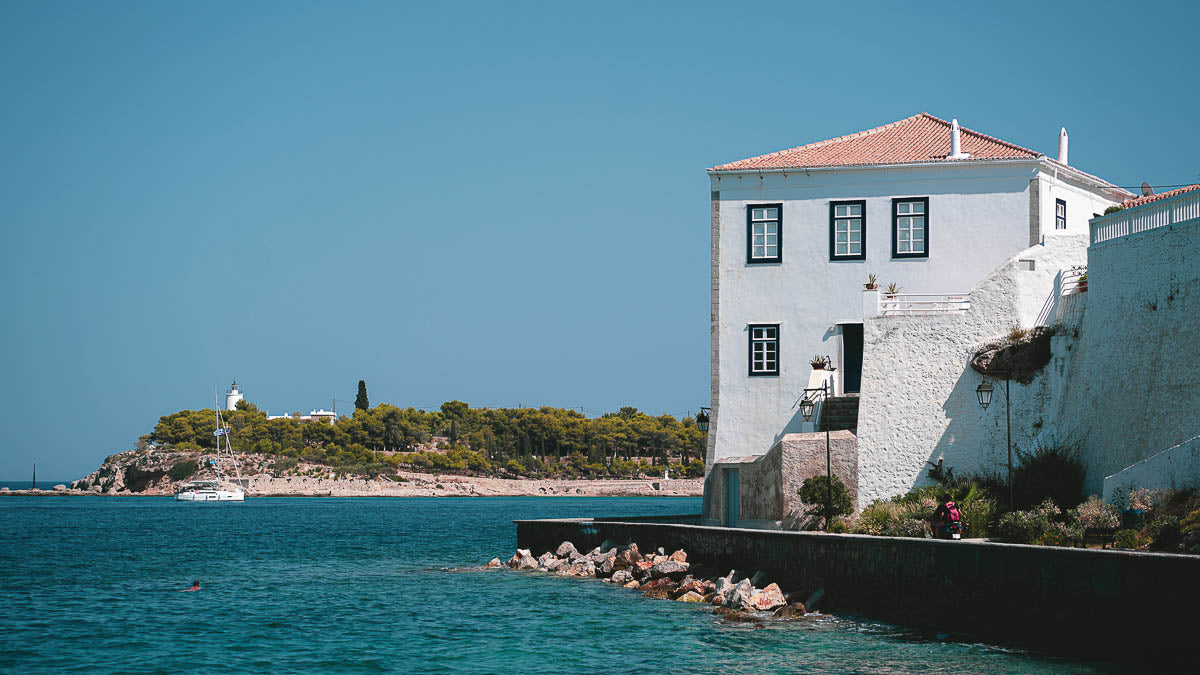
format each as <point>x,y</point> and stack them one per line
<point>1153,198</point>
<point>917,139</point>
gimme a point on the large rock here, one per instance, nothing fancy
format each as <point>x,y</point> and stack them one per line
<point>739,596</point>
<point>566,550</point>
<point>545,560</point>
<point>586,568</point>
<point>632,583</point>
<point>527,562</point>
<point>494,563</point>
<point>605,568</point>
<point>679,556</point>
<point>794,610</point>
<point>690,596</point>
<point>630,555</point>
<point>668,568</point>
<point>689,585</point>
<point>516,559</point>
<point>661,582</point>
<point>767,599</point>
<point>621,577</point>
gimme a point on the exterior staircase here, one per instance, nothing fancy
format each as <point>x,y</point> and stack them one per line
<point>838,413</point>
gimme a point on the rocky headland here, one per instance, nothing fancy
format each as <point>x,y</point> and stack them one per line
<point>154,473</point>
<point>737,597</point>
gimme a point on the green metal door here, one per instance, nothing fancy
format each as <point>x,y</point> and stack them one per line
<point>731,497</point>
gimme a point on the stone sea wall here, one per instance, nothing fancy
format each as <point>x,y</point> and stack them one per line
<point>1081,601</point>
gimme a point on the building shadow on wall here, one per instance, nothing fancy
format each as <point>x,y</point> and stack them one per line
<point>974,438</point>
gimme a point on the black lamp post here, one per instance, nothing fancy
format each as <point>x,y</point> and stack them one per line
<point>984,393</point>
<point>702,419</point>
<point>807,403</point>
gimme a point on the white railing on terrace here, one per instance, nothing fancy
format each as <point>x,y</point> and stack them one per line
<point>909,304</point>
<point>1177,209</point>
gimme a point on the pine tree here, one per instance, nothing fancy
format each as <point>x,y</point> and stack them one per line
<point>360,401</point>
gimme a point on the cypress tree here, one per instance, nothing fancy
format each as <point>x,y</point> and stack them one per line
<point>360,401</point>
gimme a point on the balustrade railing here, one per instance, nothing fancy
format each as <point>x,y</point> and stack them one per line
<point>909,304</point>
<point>1182,207</point>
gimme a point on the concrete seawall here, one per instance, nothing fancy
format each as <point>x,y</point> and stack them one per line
<point>1078,601</point>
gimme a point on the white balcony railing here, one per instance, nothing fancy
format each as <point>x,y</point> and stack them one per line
<point>1182,207</point>
<point>910,304</point>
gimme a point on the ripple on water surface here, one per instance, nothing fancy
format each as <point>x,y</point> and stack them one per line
<point>366,585</point>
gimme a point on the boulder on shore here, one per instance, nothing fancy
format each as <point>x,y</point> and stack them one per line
<point>739,596</point>
<point>690,596</point>
<point>793,611</point>
<point>621,576</point>
<point>767,599</point>
<point>494,563</point>
<point>679,556</point>
<point>566,550</point>
<point>668,568</point>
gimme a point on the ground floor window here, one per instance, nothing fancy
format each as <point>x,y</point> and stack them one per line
<point>764,349</point>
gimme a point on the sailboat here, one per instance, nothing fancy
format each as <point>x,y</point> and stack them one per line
<point>221,489</point>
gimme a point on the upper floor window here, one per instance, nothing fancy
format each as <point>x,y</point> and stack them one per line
<point>1060,214</point>
<point>910,227</point>
<point>764,233</point>
<point>848,230</point>
<point>764,349</point>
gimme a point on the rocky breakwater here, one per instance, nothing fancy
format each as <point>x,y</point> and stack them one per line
<point>657,574</point>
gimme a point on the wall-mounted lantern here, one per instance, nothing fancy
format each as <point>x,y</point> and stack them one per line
<point>702,419</point>
<point>984,393</point>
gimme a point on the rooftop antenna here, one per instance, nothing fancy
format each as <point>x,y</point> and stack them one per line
<point>1146,189</point>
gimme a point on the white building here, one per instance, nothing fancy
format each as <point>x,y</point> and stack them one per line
<point>919,203</point>
<point>232,397</point>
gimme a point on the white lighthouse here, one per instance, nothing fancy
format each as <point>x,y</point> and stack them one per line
<point>232,398</point>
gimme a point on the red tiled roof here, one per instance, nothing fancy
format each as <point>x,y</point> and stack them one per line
<point>917,139</point>
<point>1165,195</point>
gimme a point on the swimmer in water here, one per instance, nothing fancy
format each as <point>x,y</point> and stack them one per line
<point>195,587</point>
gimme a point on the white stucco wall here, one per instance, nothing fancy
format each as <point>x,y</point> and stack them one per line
<point>979,215</point>
<point>1133,381</point>
<point>1082,203</point>
<point>918,401</point>
<point>1174,468</point>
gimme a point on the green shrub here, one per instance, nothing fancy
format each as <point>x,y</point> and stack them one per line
<point>1164,534</point>
<point>977,517</point>
<point>281,466</point>
<point>1060,534</point>
<point>838,526</point>
<point>184,469</point>
<point>1053,472</point>
<point>1125,539</point>
<point>815,491</point>
<point>890,519</point>
<point>1189,530</point>
<point>1028,527</point>
<point>1095,513</point>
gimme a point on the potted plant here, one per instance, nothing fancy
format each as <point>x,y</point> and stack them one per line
<point>1082,283</point>
<point>892,290</point>
<point>871,282</point>
<point>819,362</point>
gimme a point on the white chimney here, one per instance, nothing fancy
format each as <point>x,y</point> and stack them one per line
<point>956,143</point>
<point>1062,146</point>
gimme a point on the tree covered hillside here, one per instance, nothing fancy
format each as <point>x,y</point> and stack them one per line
<point>528,441</point>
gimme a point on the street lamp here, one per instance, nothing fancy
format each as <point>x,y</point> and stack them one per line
<point>807,403</point>
<point>984,393</point>
<point>702,419</point>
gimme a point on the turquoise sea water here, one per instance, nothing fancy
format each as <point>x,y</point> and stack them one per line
<point>366,585</point>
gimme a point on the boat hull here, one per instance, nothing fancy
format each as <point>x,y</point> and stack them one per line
<point>210,496</point>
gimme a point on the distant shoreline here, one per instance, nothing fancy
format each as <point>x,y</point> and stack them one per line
<point>418,485</point>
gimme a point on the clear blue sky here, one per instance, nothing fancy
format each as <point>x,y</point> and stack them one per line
<point>504,204</point>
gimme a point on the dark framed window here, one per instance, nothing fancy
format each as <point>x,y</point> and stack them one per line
<point>764,349</point>
<point>848,230</point>
<point>1060,214</point>
<point>910,227</point>
<point>764,233</point>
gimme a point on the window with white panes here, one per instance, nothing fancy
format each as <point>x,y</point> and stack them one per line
<point>1060,214</point>
<point>910,227</point>
<point>764,349</point>
<point>848,230</point>
<point>764,233</point>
